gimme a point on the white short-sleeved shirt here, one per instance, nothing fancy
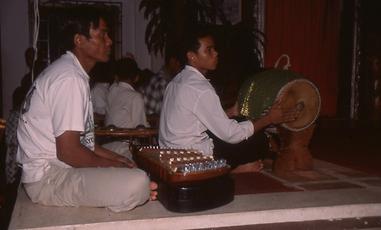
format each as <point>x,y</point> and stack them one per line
<point>191,107</point>
<point>58,101</point>
<point>99,97</point>
<point>125,107</point>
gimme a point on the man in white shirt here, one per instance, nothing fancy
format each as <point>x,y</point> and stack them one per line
<point>61,164</point>
<point>125,106</point>
<point>191,105</point>
<point>99,94</point>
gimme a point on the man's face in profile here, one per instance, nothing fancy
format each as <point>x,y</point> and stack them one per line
<point>98,46</point>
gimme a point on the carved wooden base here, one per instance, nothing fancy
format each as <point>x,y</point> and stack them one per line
<point>294,153</point>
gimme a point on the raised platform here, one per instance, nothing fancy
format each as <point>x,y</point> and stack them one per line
<point>328,192</point>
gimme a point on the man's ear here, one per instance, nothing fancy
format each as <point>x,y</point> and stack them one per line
<point>191,56</point>
<point>78,40</point>
<point>136,78</point>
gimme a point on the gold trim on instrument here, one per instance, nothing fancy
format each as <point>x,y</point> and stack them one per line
<point>245,104</point>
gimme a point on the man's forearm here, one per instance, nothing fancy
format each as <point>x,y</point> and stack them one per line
<point>82,157</point>
<point>72,152</point>
<point>108,154</point>
<point>105,153</point>
<point>261,123</point>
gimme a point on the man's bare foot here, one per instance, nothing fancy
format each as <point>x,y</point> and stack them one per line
<point>255,166</point>
<point>153,187</point>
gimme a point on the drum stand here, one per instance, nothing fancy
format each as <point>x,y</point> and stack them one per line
<point>294,154</point>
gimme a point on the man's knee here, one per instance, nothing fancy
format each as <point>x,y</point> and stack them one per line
<point>138,185</point>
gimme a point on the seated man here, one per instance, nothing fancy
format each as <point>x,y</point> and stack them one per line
<point>61,164</point>
<point>125,106</point>
<point>191,106</point>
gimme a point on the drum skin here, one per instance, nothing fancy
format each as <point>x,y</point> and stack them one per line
<point>261,90</point>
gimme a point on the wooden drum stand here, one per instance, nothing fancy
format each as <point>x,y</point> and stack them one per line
<point>293,91</point>
<point>294,153</point>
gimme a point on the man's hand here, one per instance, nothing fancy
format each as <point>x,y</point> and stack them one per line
<point>108,154</point>
<point>276,115</point>
<point>279,115</point>
<point>126,161</point>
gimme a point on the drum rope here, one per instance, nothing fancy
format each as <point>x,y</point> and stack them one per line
<point>287,65</point>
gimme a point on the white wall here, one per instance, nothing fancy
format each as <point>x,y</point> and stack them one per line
<point>134,32</point>
<point>15,39</point>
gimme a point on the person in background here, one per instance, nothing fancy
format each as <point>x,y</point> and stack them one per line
<point>125,105</point>
<point>12,170</point>
<point>191,107</point>
<point>102,75</point>
<point>145,77</point>
<point>35,67</point>
<point>61,164</point>
<point>154,92</point>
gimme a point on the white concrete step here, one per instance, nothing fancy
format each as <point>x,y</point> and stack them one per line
<point>244,210</point>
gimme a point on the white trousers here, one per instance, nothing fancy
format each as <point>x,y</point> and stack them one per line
<point>118,189</point>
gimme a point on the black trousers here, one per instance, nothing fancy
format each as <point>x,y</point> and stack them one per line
<point>254,148</point>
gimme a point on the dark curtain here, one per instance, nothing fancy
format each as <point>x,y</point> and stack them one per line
<point>370,60</point>
<point>308,31</point>
<point>1,83</point>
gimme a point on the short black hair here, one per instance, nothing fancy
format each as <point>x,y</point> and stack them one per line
<point>79,21</point>
<point>173,51</point>
<point>126,68</point>
<point>102,72</point>
<point>191,42</point>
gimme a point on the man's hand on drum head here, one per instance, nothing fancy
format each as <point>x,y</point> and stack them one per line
<point>279,115</point>
<point>276,115</point>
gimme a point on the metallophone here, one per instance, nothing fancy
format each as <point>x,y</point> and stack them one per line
<point>188,181</point>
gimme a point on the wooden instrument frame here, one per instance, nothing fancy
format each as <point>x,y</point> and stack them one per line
<point>153,166</point>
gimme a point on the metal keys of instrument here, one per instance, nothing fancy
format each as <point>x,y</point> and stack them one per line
<point>201,166</point>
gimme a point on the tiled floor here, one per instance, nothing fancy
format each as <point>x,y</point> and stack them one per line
<point>324,176</point>
<point>355,146</point>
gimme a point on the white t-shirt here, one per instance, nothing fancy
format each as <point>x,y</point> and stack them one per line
<point>125,107</point>
<point>99,97</point>
<point>59,100</point>
<point>191,107</point>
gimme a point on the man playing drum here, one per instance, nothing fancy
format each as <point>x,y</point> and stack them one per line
<point>191,106</point>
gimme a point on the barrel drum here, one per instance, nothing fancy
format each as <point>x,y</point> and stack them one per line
<point>261,90</point>
<point>257,95</point>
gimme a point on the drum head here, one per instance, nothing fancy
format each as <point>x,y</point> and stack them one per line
<point>261,90</point>
<point>303,95</point>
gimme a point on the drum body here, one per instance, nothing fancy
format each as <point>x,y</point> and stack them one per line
<point>261,90</point>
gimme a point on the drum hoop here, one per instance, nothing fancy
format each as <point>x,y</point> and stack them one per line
<point>319,103</point>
